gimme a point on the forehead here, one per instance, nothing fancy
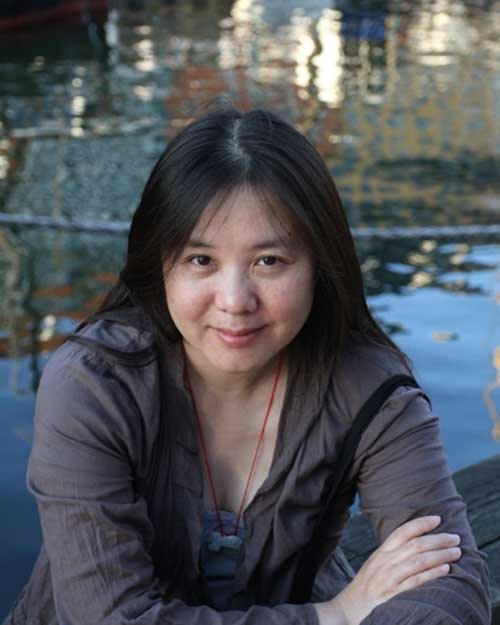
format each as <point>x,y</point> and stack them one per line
<point>246,214</point>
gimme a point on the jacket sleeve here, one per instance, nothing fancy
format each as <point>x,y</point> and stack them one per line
<point>95,527</point>
<point>403,474</point>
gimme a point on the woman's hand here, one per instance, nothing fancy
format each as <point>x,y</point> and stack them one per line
<point>408,558</point>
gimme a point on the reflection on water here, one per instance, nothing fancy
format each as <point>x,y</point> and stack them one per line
<point>51,281</point>
<point>400,99</point>
<point>488,396</point>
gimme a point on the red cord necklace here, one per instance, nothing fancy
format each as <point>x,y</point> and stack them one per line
<point>254,461</point>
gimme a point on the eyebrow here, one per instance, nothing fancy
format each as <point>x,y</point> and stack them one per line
<point>274,242</point>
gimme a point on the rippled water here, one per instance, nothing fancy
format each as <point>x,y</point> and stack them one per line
<point>400,98</point>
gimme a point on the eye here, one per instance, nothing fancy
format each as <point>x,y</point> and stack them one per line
<point>200,261</point>
<point>269,261</point>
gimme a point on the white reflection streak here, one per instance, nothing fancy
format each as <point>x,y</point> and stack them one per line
<point>245,10</point>
<point>4,166</point>
<point>228,51</point>
<point>111,29</point>
<point>420,279</point>
<point>78,105</point>
<point>330,61</point>
<point>147,65</point>
<point>438,37</point>
<point>144,49</point>
<point>49,323</point>
<point>304,51</point>
<point>143,93</point>
<point>235,48</point>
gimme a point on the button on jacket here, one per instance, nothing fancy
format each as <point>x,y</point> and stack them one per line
<point>96,423</point>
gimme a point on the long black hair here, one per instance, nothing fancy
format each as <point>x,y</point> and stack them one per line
<point>218,153</point>
<point>222,151</point>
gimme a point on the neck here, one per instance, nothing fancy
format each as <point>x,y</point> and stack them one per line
<point>231,384</point>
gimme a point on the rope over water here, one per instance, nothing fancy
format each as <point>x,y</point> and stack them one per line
<point>122,227</point>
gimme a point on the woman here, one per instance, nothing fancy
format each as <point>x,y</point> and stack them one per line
<point>186,438</point>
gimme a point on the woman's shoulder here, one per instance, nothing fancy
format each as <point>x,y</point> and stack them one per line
<point>94,415</point>
<point>101,385</point>
<point>104,358</point>
<point>372,359</point>
<point>107,341</point>
<point>360,369</point>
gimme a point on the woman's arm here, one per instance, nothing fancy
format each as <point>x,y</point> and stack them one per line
<point>410,557</point>
<point>403,474</point>
<point>96,529</point>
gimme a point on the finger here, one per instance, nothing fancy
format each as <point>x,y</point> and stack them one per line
<point>421,545</point>
<point>411,529</point>
<point>425,561</point>
<point>425,576</point>
<point>429,542</point>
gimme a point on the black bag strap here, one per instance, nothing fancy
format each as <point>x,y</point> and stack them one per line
<point>313,555</point>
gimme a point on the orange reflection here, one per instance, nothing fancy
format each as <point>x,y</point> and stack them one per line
<point>488,396</point>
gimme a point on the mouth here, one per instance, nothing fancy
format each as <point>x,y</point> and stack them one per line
<point>237,338</point>
<point>241,332</point>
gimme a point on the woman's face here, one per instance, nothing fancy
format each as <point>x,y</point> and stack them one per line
<point>242,287</point>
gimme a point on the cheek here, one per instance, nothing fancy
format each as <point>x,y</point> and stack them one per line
<point>293,299</point>
<point>185,301</point>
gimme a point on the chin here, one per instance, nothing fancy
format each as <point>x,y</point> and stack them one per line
<point>239,360</point>
<point>236,364</point>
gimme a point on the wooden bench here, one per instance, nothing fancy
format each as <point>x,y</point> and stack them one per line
<point>479,485</point>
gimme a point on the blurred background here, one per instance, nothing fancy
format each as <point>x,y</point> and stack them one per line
<point>401,99</point>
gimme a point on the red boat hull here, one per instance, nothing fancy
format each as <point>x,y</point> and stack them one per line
<point>64,10</point>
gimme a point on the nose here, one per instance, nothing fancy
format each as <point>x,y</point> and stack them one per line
<point>236,293</point>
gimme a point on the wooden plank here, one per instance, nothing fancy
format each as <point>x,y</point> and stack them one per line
<point>479,485</point>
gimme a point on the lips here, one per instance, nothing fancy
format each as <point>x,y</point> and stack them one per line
<point>241,332</point>
<point>237,338</point>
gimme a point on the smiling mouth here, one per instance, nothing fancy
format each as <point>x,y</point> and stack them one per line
<point>243,332</point>
<point>237,338</point>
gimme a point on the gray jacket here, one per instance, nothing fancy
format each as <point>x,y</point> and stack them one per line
<point>95,427</point>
